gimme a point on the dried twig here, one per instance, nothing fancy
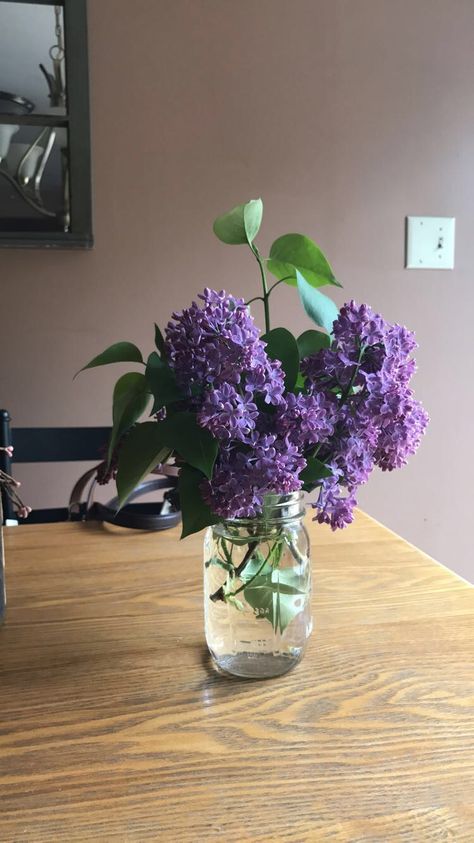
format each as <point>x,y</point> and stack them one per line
<point>10,486</point>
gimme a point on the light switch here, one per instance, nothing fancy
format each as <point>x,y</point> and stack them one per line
<point>430,243</point>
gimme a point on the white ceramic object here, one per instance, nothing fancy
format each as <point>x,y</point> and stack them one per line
<point>6,134</point>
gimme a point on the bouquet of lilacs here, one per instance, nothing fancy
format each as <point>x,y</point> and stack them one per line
<point>245,415</point>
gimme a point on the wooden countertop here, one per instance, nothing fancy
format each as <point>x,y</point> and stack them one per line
<point>114,727</point>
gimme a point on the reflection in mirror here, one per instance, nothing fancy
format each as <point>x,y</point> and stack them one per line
<point>35,118</point>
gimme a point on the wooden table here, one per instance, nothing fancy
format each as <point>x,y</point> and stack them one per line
<point>114,727</point>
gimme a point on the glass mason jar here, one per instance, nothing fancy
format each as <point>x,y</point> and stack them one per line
<point>257,590</point>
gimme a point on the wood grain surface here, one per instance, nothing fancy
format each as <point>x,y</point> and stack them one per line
<point>114,726</point>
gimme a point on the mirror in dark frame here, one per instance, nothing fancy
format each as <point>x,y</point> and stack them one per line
<point>45,172</point>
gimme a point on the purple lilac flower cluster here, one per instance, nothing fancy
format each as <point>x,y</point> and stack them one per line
<point>217,346</point>
<point>380,423</point>
<point>355,411</point>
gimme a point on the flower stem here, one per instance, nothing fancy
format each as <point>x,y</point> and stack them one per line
<point>266,293</point>
<point>281,280</point>
<point>245,584</point>
<point>219,594</point>
<point>228,556</point>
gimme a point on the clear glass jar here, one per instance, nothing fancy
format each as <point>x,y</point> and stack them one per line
<point>257,590</point>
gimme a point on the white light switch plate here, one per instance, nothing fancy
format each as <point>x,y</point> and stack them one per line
<point>430,243</point>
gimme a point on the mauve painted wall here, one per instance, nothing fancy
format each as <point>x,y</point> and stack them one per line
<point>345,115</point>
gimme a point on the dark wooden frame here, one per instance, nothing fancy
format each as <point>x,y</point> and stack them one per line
<point>78,122</point>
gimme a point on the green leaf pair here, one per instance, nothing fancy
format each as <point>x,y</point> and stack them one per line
<point>142,450</point>
<point>294,253</point>
<point>288,254</point>
<point>130,400</point>
<point>133,390</point>
<point>294,259</point>
<point>151,443</point>
<point>148,443</point>
<point>275,595</point>
<point>241,224</point>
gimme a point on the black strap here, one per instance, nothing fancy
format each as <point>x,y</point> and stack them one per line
<point>135,516</point>
<point>131,516</point>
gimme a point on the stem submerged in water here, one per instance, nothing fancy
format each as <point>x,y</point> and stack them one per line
<point>220,593</point>
<point>245,584</point>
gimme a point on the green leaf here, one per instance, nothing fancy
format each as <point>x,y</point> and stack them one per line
<point>159,342</point>
<point>130,400</point>
<point>319,307</point>
<point>140,453</point>
<point>314,472</point>
<point>281,345</point>
<point>194,444</point>
<point>276,596</point>
<point>253,213</point>
<point>241,224</point>
<point>214,560</point>
<point>295,251</point>
<point>311,342</point>
<point>194,511</point>
<point>254,566</point>
<point>162,382</point>
<point>290,599</point>
<point>120,352</point>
